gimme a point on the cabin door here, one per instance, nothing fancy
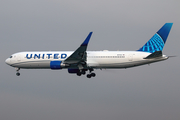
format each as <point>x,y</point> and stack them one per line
<point>130,57</point>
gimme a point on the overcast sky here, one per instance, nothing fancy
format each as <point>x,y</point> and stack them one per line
<point>150,92</point>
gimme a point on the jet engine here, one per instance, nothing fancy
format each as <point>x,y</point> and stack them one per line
<point>55,65</point>
<point>73,70</point>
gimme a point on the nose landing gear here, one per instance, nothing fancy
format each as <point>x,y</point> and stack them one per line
<point>17,71</point>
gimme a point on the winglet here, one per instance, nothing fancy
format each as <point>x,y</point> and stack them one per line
<point>156,43</point>
<point>86,41</point>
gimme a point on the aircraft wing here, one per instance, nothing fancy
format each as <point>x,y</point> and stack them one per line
<point>80,55</point>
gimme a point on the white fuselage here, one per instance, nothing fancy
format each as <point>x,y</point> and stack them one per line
<point>95,59</point>
<point>80,61</point>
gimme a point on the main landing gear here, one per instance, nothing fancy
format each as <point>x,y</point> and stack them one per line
<point>17,71</point>
<point>91,74</point>
<point>83,72</point>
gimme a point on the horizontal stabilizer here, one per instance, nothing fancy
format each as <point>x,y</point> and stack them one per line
<point>154,55</point>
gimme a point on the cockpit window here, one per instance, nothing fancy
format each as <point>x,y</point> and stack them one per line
<point>10,56</point>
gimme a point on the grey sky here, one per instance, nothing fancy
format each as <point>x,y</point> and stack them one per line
<point>141,93</point>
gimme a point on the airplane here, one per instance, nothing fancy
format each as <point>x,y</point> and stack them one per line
<point>81,61</point>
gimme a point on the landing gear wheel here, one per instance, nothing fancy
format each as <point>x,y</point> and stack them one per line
<point>83,72</point>
<point>18,74</point>
<point>17,71</point>
<point>88,75</point>
<point>93,74</point>
<point>78,74</point>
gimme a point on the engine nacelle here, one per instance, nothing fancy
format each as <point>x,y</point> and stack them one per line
<point>73,70</point>
<point>55,65</point>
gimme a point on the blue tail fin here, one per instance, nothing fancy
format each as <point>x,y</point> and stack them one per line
<point>156,43</point>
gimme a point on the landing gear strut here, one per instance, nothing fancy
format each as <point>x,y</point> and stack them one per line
<point>17,71</point>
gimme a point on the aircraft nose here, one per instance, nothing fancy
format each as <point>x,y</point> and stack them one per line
<point>7,61</point>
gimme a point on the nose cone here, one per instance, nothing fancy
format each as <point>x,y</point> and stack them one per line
<point>7,61</point>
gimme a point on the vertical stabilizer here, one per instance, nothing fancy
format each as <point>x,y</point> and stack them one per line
<point>156,43</point>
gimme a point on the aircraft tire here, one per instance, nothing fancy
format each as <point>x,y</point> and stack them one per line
<point>18,74</point>
<point>78,74</point>
<point>93,74</point>
<point>88,75</point>
<point>83,72</point>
